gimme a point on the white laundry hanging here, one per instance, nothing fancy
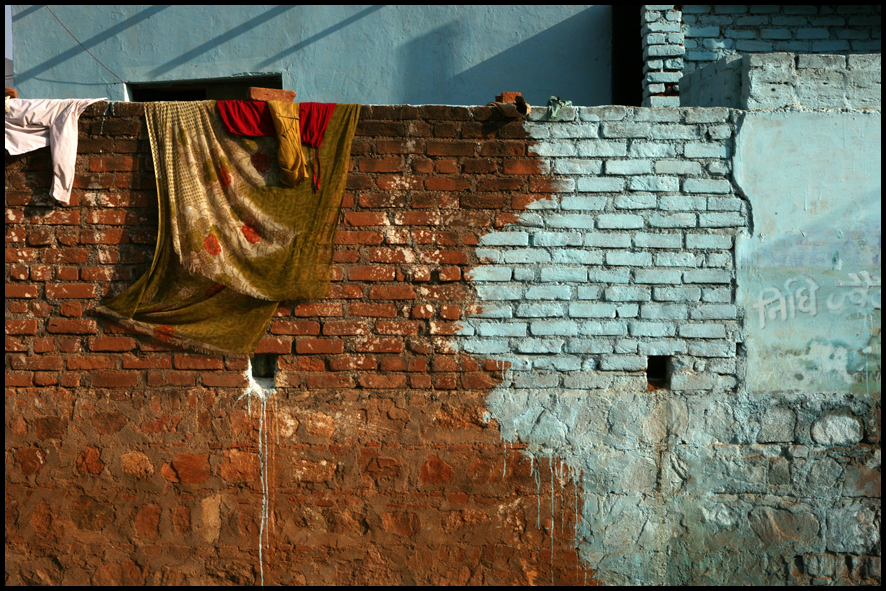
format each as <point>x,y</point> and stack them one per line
<point>36,123</point>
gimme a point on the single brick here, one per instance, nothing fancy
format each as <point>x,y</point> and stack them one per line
<point>677,220</point>
<point>623,363</point>
<point>682,203</point>
<point>295,327</point>
<point>576,256</point>
<point>111,343</point>
<point>654,183</point>
<point>707,186</point>
<point>703,331</point>
<point>71,326</point>
<point>636,201</point>
<point>392,292</point>
<point>541,346</point>
<point>505,239</point>
<point>490,273</point>
<point>501,329</point>
<point>676,259</point>
<point>624,293</point>
<point>707,276</point>
<point>549,292</point>
<point>628,167</point>
<point>619,221</point>
<point>556,239</point>
<point>648,240</point>
<point>600,184</point>
<point>622,258</point>
<point>652,329</point>
<point>115,379</point>
<point>527,255</point>
<point>712,349</point>
<point>676,294</point>
<point>318,309</point>
<point>564,274</point>
<point>588,310</point>
<point>492,291</point>
<point>721,220</point>
<point>558,328</point>
<point>607,239</point>
<point>713,241</point>
<point>571,221</point>
<point>583,202</point>
<point>311,346</point>
<point>609,275</point>
<point>664,311</point>
<point>671,276</point>
<point>715,312</point>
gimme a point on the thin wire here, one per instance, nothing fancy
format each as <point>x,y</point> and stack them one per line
<point>83,46</point>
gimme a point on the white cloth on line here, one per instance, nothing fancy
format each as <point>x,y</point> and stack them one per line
<point>36,123</point>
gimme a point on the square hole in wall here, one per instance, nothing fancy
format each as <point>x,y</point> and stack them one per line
<point>264,365</point>
<point>658,371</point>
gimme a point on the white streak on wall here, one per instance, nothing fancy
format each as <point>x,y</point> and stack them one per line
<point>261,389</point>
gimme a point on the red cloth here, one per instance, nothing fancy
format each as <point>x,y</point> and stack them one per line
<point>247,117</point>
<point>313,118</point>
<point>253,118</point>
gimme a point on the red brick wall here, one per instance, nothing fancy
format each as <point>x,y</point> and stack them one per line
<point>128,461</point>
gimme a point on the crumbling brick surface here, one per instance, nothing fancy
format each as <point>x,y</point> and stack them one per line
<point>129,461</point>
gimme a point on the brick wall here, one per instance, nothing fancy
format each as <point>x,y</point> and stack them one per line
<point>129,461</point>
<point>471,402</point>
<point>779,80</point>
<point>677,40</point>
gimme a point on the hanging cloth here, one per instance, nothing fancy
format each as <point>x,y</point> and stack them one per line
<point>252,118</point>
<point>314,121</point>
<point>36,123</point>
<point>290,157</point>
<point>232,241</point>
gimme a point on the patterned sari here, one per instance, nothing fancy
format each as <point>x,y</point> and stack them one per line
<point>233,241</point>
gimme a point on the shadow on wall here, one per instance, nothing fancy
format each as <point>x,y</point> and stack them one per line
<point>92,42</point>
<point>562,60</point>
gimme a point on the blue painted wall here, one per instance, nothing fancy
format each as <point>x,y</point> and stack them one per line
<point>809,276</point>
<point>456,55</point>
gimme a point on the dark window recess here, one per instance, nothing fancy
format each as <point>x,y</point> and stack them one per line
<point>627,55</point>
<point>264,365</point>
<point>201,90</point>
<point>658,371</point>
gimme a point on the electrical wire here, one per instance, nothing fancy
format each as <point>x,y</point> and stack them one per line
<point>83,46</point>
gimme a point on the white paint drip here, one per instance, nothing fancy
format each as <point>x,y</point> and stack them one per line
<point>261,388</point>
<point>538,494</point>
<point>504,470</point>
<point>551,462</point>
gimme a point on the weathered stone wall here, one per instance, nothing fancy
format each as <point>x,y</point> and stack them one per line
<point>470,404</point>
<point>705,480</point>
<point>776,80</point>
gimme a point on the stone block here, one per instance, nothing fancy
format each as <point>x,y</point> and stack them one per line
<point>853,528</point>
<point>837,429</point>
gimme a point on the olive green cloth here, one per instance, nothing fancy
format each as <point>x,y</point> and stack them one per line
<point>232,242</point>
